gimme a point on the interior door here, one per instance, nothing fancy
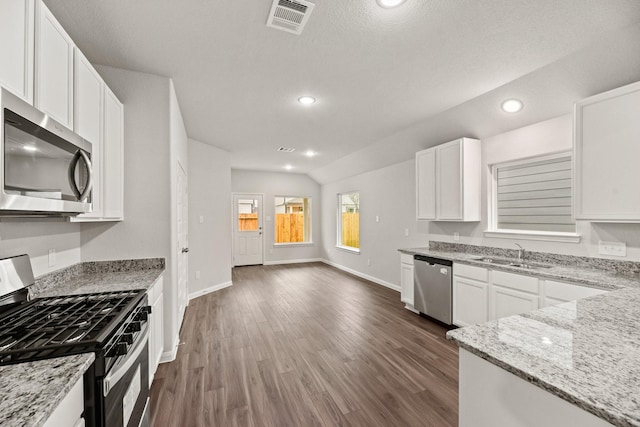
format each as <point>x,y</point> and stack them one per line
<point>182,229</point>
<point>247,229</point>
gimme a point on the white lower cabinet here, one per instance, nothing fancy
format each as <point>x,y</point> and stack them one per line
<point>480,294</point>
<point>559,292</point>
<point>470,295</point>
<point>406,279</point>
<point>156,340</point>
<point>69,411</point>
<point>508,302</point>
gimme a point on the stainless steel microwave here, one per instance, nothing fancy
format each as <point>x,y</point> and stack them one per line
<point>46,168</point>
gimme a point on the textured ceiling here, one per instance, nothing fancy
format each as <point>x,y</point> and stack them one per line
<point>378,74</point>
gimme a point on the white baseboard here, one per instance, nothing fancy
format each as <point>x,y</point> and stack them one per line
<point>170,355</point>
<point>293,261</point>
<point>363,276</point>
<point>209,290</point>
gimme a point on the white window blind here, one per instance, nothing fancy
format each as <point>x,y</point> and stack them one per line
<point>535,196</point>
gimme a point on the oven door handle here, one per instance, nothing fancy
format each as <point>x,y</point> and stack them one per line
<point>123,365</point>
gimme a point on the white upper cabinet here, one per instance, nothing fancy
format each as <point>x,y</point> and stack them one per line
<point>53,68</point>
<point>113,158</point>
<point>448,181</point>
<point>17,21</point>
<point>606,152</point>
<point>87,121</point>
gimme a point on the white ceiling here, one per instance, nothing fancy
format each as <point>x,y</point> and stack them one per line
<point>387,81</point>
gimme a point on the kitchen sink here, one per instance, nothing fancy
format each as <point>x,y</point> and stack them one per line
<point>511,263</point>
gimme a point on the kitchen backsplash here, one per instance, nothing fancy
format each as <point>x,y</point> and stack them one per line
<point>621,267</point>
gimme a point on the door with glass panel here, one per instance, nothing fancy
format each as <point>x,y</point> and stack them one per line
<point>247,229</point>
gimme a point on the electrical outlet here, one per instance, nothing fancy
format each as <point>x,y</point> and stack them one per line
<point>52,257</point>
<point>612,248</point>
<point>201,219</point>
<point>369,262</point>
<point>377,218</point>
<point>406,232</point>
<point>456,236</point>
<point>197,274</point>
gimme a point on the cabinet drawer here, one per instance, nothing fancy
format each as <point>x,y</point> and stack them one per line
<point>515,281</point>
<point>568,291</point>
<point>406,259</point>
<point>471,272</point>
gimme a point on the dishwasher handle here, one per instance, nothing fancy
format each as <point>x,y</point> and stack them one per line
<point>433,261</point>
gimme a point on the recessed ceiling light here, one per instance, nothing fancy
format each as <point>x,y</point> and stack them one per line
<point>310,153</point>
<point>288,167</point>
<point>29,148</point>
<point>512,105</point>
<point>306,100</point>
<point>387,4</point>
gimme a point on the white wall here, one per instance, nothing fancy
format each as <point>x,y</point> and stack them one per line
<point>36,236</point>
<point>390,193</point>
<point>146,231</point>
<point>273,184</point>
<point>209,199</point>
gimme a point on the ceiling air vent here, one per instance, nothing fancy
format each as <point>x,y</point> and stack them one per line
<point>286,149</point>
<point>289,15</point>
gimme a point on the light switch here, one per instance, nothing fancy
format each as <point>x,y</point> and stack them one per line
<point>612,248</point>
<point>377,218</point>
<point>201,219</point>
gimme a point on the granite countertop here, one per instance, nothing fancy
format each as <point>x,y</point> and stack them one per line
<point>31,391</point>
<point>590,277</point>
<point>87,283</point>
<point>587,352</point>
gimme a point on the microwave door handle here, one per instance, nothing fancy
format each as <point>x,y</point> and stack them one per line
<point>72,179</point>
<point>89,169</point>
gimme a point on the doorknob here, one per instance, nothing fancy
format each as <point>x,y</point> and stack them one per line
<point>185,250</point>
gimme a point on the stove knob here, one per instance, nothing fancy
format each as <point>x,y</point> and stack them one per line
<point>119,349</point>
<point>142,316</point>
<point>147,309</point>
<point>134,327</point>
<point>127,339</point>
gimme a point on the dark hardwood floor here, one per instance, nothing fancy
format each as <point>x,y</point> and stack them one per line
<point>306,345</point>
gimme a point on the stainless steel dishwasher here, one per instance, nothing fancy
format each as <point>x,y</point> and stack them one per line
<point>432,284</point>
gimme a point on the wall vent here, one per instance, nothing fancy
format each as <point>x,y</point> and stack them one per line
<point>289,15</point>
<point>286,149</point>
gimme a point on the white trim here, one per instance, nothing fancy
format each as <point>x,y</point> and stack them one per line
<point>348,249</point>
<point>170,355</point>
<point>375,280</point>
<point>410,308</point>
<point>293,261</point>
<point>284,245</point>
<point>210,289</point>
<point>542,236</point>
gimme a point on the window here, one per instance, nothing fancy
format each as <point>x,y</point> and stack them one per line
<point>534,196</point>
<point>293,219</point>
<point>349,221</point>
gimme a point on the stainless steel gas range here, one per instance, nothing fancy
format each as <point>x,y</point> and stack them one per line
<point>113,325</point>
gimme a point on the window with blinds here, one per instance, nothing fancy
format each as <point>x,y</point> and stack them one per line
<point>535,196</point>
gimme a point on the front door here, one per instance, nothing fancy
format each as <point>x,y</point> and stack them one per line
<point>182,230</point>
<point>247,229</point>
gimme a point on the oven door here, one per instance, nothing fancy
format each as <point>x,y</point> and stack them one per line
<point>125,388</point>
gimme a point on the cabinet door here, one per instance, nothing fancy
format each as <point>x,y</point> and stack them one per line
<point>17,22</point>
<point>426,184</point>
<point>69,410</point>
<point>470,301</point>
<point>87,107</point>
<point>113,157</point>
<point>449,181</point>
<point>53,68</point>
<point>507,302</point>
<point>606,155</point>
<point>559,292</point>
<point>406,279</point>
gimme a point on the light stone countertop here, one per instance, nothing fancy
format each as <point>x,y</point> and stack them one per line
<point>587,352</point>
<point>31,391</point>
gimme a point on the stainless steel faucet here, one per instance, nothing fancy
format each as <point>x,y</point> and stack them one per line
<point>521,253</point>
